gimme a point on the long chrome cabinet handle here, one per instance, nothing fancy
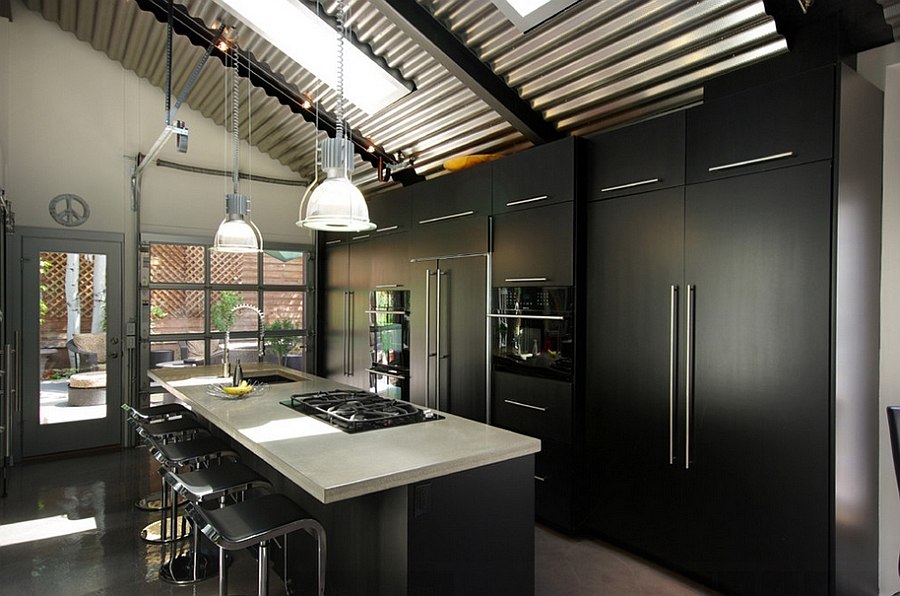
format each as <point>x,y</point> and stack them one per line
<point>330,242</point>
<point>346,330</point>
<point>437,341</point>
<point>386,229</point>
<point>428,338</point>
<point>750,162</point>
<point>7,402</point>
<point>531,317</point>
<point>630,184</point>
<point>361,237</point>
<point>673,380</point>
<point>540,478</point>
<point>524,279</point>
<point>386,312</point>
<point>446,217</point>
<point>521,405</point>
<point>17,351</point>
<point>531,200</point>
<point>350,363</point>
<point>388,286</point>
<point>688,374</point>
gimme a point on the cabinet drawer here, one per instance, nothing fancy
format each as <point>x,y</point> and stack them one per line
<point>534,247</point>
<point>533,406</point>
<point>538,176</point>
<point>449,197</point>
<point>553,488</point>
<point>391,212</point>
<point>641,157</point>
<point>780,124</point>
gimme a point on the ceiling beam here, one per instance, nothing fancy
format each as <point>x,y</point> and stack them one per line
<point>438,41</point>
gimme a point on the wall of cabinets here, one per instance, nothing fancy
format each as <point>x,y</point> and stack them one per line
<point>714,418</point>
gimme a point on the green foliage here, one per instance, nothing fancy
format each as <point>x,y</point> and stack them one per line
<point>220,314</point>
<point>44,265</point>
<point>281,345</point>
<point>57,374</point>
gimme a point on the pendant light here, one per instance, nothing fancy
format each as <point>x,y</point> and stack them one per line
<point>236,233</point>
<point>336,205</point>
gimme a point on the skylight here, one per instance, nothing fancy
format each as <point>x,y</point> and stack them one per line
<point>310,42</point>
<point>528,14</point>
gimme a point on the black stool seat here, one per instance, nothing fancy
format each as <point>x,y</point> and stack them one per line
<point>156,412</point>
<point>196,451</point>
<point>255,522</point>
<point>251,522</point>
<point>167,428</point>
<point>213,483</point>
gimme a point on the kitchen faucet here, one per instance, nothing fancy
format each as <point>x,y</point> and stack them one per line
<point>261,337</point>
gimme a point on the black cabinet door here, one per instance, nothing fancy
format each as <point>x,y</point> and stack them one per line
<point>540,408</point>
<point>389,258</point>
<point>634,285</point>
<point>534,247</point>
<point>635,159</point>
<point>758,265</point>
<point>450,214</point>
<point>448,335</point>
<point>539,176</point>
<point>359,286</point>
<point>337,271</point>
<point>784,123</point>
<point>391,211</point>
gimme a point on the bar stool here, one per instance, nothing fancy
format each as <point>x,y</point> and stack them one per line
<point>165,431</point>
<point>153,414</point>
<point>172,456</point>
<point>228,479</point>
<point>256,522</point>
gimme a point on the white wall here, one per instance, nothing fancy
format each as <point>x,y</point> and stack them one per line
<point>882,66</point>
<point>72,121</point>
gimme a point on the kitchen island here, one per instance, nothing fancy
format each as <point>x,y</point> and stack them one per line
<point>439,507</point>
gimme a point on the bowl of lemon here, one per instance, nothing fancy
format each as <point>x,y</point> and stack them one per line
<point>229,391</point>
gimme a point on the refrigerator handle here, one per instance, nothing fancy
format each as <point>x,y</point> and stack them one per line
<point>427,337</point>
<point>437,340</point>
<point>688,375</point>
<point>673,377</point>
<point>346,337</point>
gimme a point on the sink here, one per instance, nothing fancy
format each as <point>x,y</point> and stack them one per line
<point>272,378</point>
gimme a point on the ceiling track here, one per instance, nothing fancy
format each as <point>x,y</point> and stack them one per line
<point>261,76</point>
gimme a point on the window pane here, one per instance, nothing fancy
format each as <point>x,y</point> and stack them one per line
<point>229,268</point>
<point>285,309</point>
<point>164,353</point>
<point>287,351</point>
<point>222,303</point>
<point>176,263</point>
<point>176,311</point>
<point>284,268</point>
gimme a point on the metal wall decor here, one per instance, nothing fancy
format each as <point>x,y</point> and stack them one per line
<point>69,210</point>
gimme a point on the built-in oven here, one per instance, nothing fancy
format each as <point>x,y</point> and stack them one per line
<point>388,370</point>
<point>532,331</point>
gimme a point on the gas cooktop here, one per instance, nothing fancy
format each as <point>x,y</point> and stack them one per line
<point>355,411</point>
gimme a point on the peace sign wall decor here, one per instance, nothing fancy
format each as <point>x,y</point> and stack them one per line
<point>69,210</point>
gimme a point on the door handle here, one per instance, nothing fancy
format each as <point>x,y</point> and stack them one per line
<point>688,374</point>
<point>427,338</point>
<point>350,363</point>
<point>437,341</point>
<point>112,355</point>
<point>344,336</point>
<point>673,380</point>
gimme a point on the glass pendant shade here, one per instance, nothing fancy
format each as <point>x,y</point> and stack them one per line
<point>236,233</point>
<point>336,205</point>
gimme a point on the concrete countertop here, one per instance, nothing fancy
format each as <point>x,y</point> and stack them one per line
<point>329,463</point>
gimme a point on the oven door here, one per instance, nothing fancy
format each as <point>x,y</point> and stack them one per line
<point>389,329</point>
<point>390,383</point>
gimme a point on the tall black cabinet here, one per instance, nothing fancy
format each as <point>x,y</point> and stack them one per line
<point>732,359</point>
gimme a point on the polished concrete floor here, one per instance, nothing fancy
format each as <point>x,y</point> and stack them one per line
<point>97,549</point>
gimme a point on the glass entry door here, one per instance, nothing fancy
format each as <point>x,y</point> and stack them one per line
<point>71,365</point>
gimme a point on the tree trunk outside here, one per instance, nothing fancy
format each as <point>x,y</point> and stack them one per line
<point>73,303</point>
<point>98,320</point>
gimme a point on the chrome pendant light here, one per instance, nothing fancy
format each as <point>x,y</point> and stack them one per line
<point>335,204</point>
<point>236,233</point>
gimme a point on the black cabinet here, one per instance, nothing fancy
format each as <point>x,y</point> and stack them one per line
<point>784,123</point>
<point>347,271</point>
<point>635,159</point>
<point>390,212</point>
<point>732,355</point>
<point>542,408</point>
<point>534,247</point>
<point>540,176</point>
<point>450,214</point>
<point>448,336</point>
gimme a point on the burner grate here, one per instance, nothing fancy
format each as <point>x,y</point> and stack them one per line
<point>355,411</point>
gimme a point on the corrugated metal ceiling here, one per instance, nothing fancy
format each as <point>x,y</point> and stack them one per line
<point>598,65</point>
